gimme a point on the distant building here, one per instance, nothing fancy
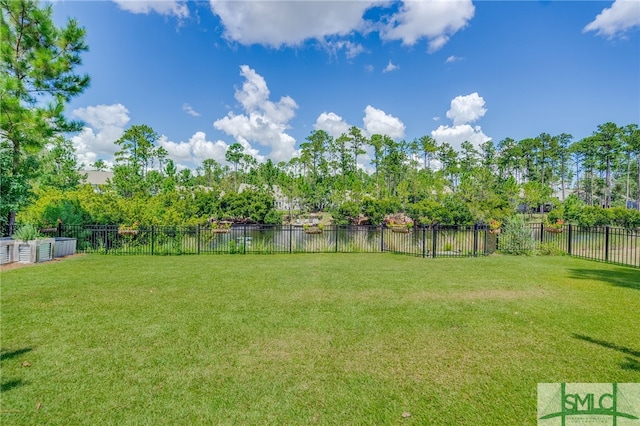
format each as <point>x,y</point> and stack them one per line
<point>97,178</point>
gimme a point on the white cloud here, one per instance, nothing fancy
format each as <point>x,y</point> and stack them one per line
<point>189,110</point>
<point>435,20</point>
<point>291,23</point>
<point>351,49</point>
<point>179,152</point>
<point>288,23</point>
<point>622,16</point>
<point>103,116</point>
<point>390,67</point>
<point>195,150</point>
<point>457,134</point>
<point>452,58</point>
<point>466,109</point>
<point>332,123</point>
<point>175,8</point>
<point>377,121</point>
<point>265,122</point>
<point>105,124</point>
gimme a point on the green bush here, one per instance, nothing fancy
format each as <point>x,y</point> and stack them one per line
<point>624,218</point>
<point>427,212</point>
<point>26,232</point>
<point>550,249</point>
<point>572,207</point>
<point>516,237</point>
<point>376,210</point>
<point>273,217</point>
<point>346,213</point>
<point>576,212</point>
<point>456,211</point>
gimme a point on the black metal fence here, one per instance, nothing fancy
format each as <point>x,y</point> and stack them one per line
<point>423,241</point>
<point>607,244</point>
<point>602,243</point>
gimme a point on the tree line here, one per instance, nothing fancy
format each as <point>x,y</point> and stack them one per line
<point>358,178</point>
<point>597,176</point>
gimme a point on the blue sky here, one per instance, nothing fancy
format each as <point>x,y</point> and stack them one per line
<point>267,73</point>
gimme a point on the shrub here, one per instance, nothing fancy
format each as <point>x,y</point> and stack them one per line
<point>376,210</point>
<point>516,237</point>
<point>26,232</point>
<point>550,249</point>
<point>273,217</point>
<point>427,211</point>
<point>625,218</point>
<point>347,213</point>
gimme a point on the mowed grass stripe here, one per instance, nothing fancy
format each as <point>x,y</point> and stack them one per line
<point>309,339</point>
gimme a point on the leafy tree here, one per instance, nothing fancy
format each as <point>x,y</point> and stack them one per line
<point>358,142</point>
<point>377,141</point>
<point>37,79</point>
<point>585,152</point>
<point>234,155</point>
<point>138,152</point>
<point>608,139</point>
<point>563,144</point>
<point>536,194</point>
<point>251,205</point>
<point>509,159</point>
<point>344,160</point>
<point>478,189</point>
<point>99,165</point>
<point>59,166</point>
<point>448,157</point>
<point>469,157</point>
<point>429,148</point>
<point>631,141</point>
<point>393,163</point>
<point>138,148</point>
<point>212,172</point>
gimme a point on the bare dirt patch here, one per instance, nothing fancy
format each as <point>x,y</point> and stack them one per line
<point>18,265</point>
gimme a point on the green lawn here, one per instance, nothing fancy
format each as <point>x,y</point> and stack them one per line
<point>334,339</point>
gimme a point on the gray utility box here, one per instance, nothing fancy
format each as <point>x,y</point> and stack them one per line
<point>64,246</point>
<point>6,250</point>
<point>33,251</point>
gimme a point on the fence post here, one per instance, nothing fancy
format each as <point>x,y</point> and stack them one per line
<point>542,232</point>
<point>198,238</point>
<point>244,239</point>
<point>153,238</point>
<point>606,243</point>
<point>486,240</point>
<point>475,239</point>
<point>290,237</point>
<point>434,243</point>
<point>424,240</point>
<point>569,236</point>
<point>337,228</point>
<point>59,229</point>
<point>381,238</point>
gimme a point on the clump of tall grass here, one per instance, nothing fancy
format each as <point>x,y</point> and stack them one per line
<point>362,243</point>
<point>318,243</point>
